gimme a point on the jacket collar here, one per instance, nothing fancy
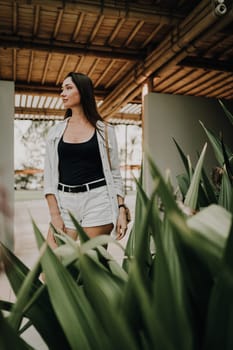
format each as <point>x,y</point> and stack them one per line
<point>59,129</point>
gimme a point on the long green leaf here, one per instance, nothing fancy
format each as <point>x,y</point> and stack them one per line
<point>183,156</point>
<point>40,312</point>
<point>183,183</point>
<point>219,329</point>
<point>136,230</point>
<point>201,251</point>
<point>24,294</point>
<point>227,112</point>
<point>81,233</point>
<point>169,296</point>
<point>136,305</point>
<point>5,305</point>
<point>192,194</point>
<point>208,188</point>
<point>216,145</point>
<point>72,308</point>
<point>205,233</point>
<point>9,338</point>
<point>105,289</point>
<point>226,193</point>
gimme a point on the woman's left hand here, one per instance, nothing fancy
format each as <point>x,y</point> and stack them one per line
<point>121,226</point>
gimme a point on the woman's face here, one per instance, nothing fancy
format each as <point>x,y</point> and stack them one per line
<point>70,94</point>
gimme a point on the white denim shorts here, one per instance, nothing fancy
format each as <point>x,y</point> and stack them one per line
<point>90,208</point>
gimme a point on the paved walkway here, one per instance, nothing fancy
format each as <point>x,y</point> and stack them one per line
<point>26,247</point>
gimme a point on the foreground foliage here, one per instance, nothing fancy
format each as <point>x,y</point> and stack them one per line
<point>173,291</point>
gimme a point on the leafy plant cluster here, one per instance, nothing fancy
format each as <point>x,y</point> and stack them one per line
<point>173,291</point>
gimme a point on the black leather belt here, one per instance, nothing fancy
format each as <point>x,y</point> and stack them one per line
<point>81,188</point>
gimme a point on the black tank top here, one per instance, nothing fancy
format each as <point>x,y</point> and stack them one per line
<point>79,163</point>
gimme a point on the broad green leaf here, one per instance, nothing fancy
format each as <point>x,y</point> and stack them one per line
<point>213,223</point>
<point>219,329</point>
<point>9,338</point>
<point>73,310</point>
<point>227,162</point>
<point>183,157</point>
<point>227,112</point>
<point>97,242</point>
<point>81,233</point>
<point>226,193</point>
<point>142,248</point>
<point>190,167</point>
<point>40,312</point>
<point>183,183</point>
<point>136,306</point>
<point>208,188</point>
<point>201,254</point>
<point>216,145</point>
<point>205,233</point>
<point>169,296</point>
<point>136,230</point>
<point>5,305</point>
<point>105,289</point>
<point>192,194</point>
<point>24,294</point>
<point>163,191</point>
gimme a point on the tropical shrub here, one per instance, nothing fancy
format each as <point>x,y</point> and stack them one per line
<point>219,188</point>
<point>173,290</point>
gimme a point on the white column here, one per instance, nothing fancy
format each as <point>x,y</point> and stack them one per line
<point>7,154</point>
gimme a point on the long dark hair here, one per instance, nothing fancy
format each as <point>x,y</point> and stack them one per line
<point>86,90</point>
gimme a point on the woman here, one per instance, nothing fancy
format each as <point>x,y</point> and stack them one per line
<point>78,176</point>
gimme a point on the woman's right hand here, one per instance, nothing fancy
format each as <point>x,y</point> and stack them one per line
<point>58,223</point>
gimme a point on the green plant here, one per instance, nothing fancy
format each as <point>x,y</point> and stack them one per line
<point>173,291</point>
<point>219,188</point>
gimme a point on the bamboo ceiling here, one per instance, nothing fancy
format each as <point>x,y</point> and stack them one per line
<point>176,46</point>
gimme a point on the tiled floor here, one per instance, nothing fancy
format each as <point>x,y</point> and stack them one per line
<point>26,248</point>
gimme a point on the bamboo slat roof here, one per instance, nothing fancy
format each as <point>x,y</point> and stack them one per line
<point>177,46</point>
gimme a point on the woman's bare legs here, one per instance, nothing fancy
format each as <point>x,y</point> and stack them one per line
<point>92,231</point>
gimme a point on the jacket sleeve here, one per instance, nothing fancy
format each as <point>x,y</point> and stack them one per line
<point>48,169</point>
<point>114,162</point>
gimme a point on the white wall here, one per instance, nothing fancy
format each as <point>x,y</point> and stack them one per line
<point>7,142</point>
<point>175,116</point>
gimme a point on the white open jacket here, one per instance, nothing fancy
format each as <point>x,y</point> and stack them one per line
<point>112,174</point>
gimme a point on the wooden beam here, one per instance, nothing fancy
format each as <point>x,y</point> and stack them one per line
<point>78,26</point>
<point>15,17</point>
<point>128,116</point>
<point>58,23</point>
<point>23,87</point>
<point>70,48</point>
<point>66,58</point>
<point>30,67</point>
<point>36,20</point>
<point>14,65</point>
<point>116,30</point>
<point>46,68</point>
<point>40,111</point>
<point>207,64</point>
<point>111,9</point>
<point>96,28</point>
<point>134,32</point>
<point>178,44</point>
<point>59,114</point>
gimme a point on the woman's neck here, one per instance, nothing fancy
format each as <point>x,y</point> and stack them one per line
<point>78,115</point>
